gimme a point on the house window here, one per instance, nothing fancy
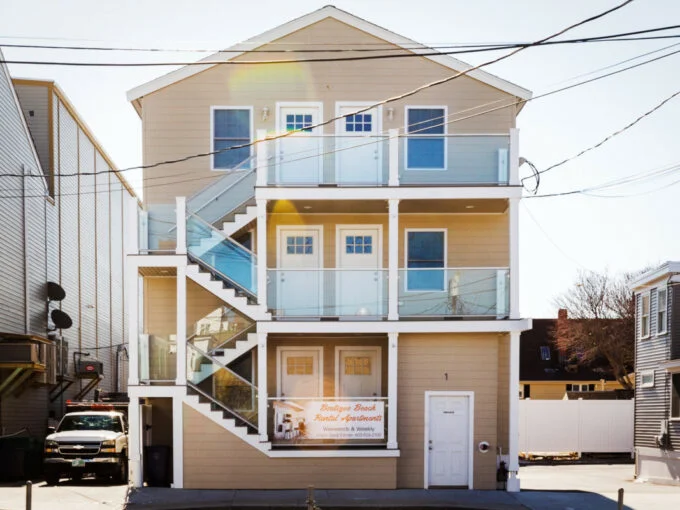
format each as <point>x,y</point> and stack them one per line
<point>300,365</point>
<point>358,365</point>
<point>424,149</point>
<point>359,123</point>
<point>580,387</point>
<point>299,245</point>
<point>661,307</point>
<point>647,379</point>
<point>425,259</point>
<point>675,396</point>
<point>298,122</point>
<point>232,127</point>
<point>545,353</point>
<point>359,244</point>
<point>644,318</point>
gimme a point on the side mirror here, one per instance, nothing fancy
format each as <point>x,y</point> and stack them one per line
<point>51,430</point>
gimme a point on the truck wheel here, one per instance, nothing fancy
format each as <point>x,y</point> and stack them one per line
<point>77,477</point>
<point>121,475</point>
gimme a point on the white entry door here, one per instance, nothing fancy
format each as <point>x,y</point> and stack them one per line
<point>299,277</point>
<point>359,372</point>
<point>448,441</point>
<point>359,279</point>
<point>300,372</point>
<point>359,151</point>
<point>299,155</point>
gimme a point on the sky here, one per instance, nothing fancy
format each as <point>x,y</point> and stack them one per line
<point>620,229</point>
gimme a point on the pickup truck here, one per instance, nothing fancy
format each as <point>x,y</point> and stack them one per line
<point>90,441</point>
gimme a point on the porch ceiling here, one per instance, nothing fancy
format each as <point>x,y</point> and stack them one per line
<point>453,206</point>
<point>380,206</point>
<point>158,271</point>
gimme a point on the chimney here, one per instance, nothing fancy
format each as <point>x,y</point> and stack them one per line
<point>562,314</point>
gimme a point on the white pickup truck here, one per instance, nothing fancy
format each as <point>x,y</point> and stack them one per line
<point>91,441</point>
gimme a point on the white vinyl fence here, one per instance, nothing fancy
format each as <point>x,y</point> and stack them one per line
<point>582,426</point>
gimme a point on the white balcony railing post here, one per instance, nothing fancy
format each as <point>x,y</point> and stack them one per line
<point>513,212</point>
<point>262,149</point>
<point>261,249</point>
<point>262,396</point>
<point>514,157</point>
<point>393,157</point>
<point>181,215</point>
<point>393,261</point>
<point>181,332</point>
<point>133,308</point>
<point>513,484</point>
<point>392,364</point>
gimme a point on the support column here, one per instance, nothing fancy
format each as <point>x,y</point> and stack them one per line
<point>262,395</point>
<point>514,158</point>
<point>181,215</point>
<point>261,159</point>
<point>135,465</point>
<point>393,164</point>
<point>513,411</point>
<point>393,261</point>
<point>177,443</point>
<point>181,333</point>
<point>513,221</point>
<point>261,247</point>
<point>133,302</point>
<point>392,374</point>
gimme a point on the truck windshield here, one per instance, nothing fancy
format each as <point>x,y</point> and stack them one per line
<point>90,422</point>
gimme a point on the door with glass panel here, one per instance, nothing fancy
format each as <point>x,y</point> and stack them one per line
<point>300,154</point>
<point>300,372</point>
<point>299,276</point>
<point>359,371</point>
<point>358,150</point>
<point>359,279</point>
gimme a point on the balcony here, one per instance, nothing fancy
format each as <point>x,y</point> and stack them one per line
<point>395,160</point>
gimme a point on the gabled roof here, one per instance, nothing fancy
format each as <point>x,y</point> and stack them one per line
<point>328,11</point>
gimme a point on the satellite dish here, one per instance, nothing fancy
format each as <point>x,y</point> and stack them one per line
<point>61,319</point>
<point>55,292</point>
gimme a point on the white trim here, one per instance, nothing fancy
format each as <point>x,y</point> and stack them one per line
<point>445,261</point>
<point>181,335</point>
<point>644,373</point>
<point>647,294</point>
<point>337,454</point>
<point>392,389</point>
<point>672,366</point>
<point>358,226</point>
<point>513,239</point>
<point>261,246</point>
<point>370,348</point>
<point>299,228</point>
<point>178,442</point>
<point>262,394</point>
<point>513,484</point>
<point>135,469</point>
<point>393,261</point>
<point>513,158</point>
<point>663,331</point>
<point>317,132</point>
<point>313,17</point>
<point>652,275</point>
<point>279,371</point>
<point>156,391</point>
<point>214,108</point>
<point>471,433</point>
<point>416,135</point>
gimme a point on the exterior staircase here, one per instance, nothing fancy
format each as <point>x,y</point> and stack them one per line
<point>240,220</point>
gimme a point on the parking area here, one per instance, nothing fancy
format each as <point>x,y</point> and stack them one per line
<point>87,494</point>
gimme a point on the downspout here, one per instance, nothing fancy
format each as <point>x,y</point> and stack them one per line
<point>24,219</point>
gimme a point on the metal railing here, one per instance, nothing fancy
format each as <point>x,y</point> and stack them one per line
<point>157,358</point>
<point>219,329</point>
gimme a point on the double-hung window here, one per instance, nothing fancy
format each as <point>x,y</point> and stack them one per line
<point>231,127</point>
<point>661,308</point>
<point>425,260</point>
<point>426,143</point>
<point>644,316</point>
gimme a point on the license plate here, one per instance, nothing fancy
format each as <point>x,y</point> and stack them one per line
<point>77,463</point>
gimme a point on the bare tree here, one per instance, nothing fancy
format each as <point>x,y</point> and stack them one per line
<point>600,324</point>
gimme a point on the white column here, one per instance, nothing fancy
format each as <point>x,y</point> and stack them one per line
<point>135,466</point>
<point>262,158</point>
<point>132,302</point>
<point>181,333</point>
<point>393,157</point>
<point>393,261</point>
<point>261,246</point>
<point>392,374</point>
<point>513,411</point>
<point>514,157</point>
<point>513,220</point>
<point>262,386</point>
<point>177,443</point>
<point>181,212</point>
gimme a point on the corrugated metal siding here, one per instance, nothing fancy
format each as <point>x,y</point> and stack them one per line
<point>674,319</point>
<point>35,99</point>
<point>106,355</point>
<point>116,239</point>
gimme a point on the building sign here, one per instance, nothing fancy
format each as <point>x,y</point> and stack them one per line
<point>341,419</point>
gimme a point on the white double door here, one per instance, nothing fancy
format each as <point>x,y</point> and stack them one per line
<point>448,440</point>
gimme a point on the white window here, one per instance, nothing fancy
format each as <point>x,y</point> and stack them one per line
<point>426,260</point>
<point>675,396</point>
<point>580,387</point>
<point>647,379</point>
<point>426,143</point>
<point>545,353</point>
<point>231,127</point>
<point>661,307</point>
<point>644,316</point>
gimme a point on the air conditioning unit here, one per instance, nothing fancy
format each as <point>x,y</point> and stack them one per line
<point>89,369</point>
<point>24,352</point>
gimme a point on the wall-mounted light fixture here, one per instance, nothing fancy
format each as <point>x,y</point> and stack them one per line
<point>390,113</point>
<point>265,113</point>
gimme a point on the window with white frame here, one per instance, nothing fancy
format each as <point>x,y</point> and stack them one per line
<point>644,316</point>
<point>675,396</point>
<point>661,307</point>
<point>231,127</point>
<point>425,145</point>
<point>425,260</point>
<point>647,378</point>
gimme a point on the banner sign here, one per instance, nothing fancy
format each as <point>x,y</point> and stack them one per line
<point>316,419</point>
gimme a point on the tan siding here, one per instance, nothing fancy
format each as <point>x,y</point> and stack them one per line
<point>446,362</point>
<point>216,459</point>
<point>177,118</point>
<point>502,416</point>
<point>548,390</point>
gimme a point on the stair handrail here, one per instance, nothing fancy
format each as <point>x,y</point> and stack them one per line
<point>221,404</point>
<point>243,331</point>
<point>224,236</point>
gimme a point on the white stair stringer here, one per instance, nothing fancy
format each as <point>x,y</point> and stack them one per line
<point>228,424</point>
<point>239,349</point>
<point>216,287</point>
<point>240,220</point>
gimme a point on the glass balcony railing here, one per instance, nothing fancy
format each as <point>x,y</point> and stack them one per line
<point>351,293</point>
<point>453,159</point>
<point>222,386</point>
<point>324,421</point>
<point>454,292</point>
<point>157,358</point>
<point>229,260</point>
<point>221,328</point>
<point>310,160</point>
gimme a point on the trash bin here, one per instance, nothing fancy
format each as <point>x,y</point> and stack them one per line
<point>157,465</point>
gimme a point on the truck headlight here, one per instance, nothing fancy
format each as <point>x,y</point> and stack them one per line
<point>51,447</point>
<point>108,446</point>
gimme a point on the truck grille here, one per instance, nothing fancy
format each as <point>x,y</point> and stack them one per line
<point>79,449</point>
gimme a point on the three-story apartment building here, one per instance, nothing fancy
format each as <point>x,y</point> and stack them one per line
<point>328,283</point>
